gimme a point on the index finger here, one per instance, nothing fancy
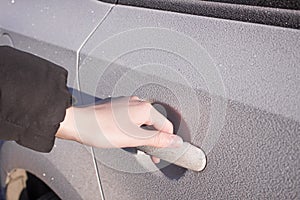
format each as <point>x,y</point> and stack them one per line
<point>159,122</point>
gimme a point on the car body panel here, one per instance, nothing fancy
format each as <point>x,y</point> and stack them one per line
<point>256,153</point>
<point>54,31</point>
<point>51,29</point>
<point>68,169</point>
<point>235,94</point>
<point>65,24</point>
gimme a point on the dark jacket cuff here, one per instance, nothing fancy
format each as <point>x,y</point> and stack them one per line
<point>33,99</point>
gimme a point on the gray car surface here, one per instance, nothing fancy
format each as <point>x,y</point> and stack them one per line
<point>229,85</point>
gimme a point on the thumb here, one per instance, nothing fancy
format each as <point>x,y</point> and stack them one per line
<point>162,139</point>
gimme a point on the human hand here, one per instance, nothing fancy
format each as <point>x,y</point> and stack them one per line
<point>117,123</point>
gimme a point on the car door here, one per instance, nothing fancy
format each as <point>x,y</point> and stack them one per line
<point>55,31</point>
<point>226,75</point>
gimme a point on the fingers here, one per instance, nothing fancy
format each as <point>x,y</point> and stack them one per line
<point>160,139</point>
<point>152,116</point>
<point>155,159</point>
<point>158,121</point>
<point>163,135</point>
<point>134,98</point>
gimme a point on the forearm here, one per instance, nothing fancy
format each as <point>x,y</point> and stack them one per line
<point>67,129</point>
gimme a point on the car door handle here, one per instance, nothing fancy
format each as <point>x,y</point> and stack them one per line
<point>187,156</point>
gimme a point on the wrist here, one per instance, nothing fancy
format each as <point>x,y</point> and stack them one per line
<point>67,129</point>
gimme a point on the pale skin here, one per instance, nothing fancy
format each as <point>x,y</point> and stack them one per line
<point>117,124</point>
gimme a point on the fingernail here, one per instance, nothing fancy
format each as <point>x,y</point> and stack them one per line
<point>175,141</point>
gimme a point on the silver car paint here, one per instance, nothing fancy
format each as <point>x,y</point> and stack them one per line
<point>256,155</point>
<point>54,30</point>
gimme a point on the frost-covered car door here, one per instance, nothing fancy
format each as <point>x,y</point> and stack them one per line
<point>226,75</point>
<point>53,30</point>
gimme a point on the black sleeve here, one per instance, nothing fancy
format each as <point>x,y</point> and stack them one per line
<point>33,99</point>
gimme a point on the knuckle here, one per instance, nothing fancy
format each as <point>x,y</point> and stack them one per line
<point>160,140</point>
<point>157,140</point>
<point>170,126</point>
<point>134,98</point>
<point>146,105</point>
